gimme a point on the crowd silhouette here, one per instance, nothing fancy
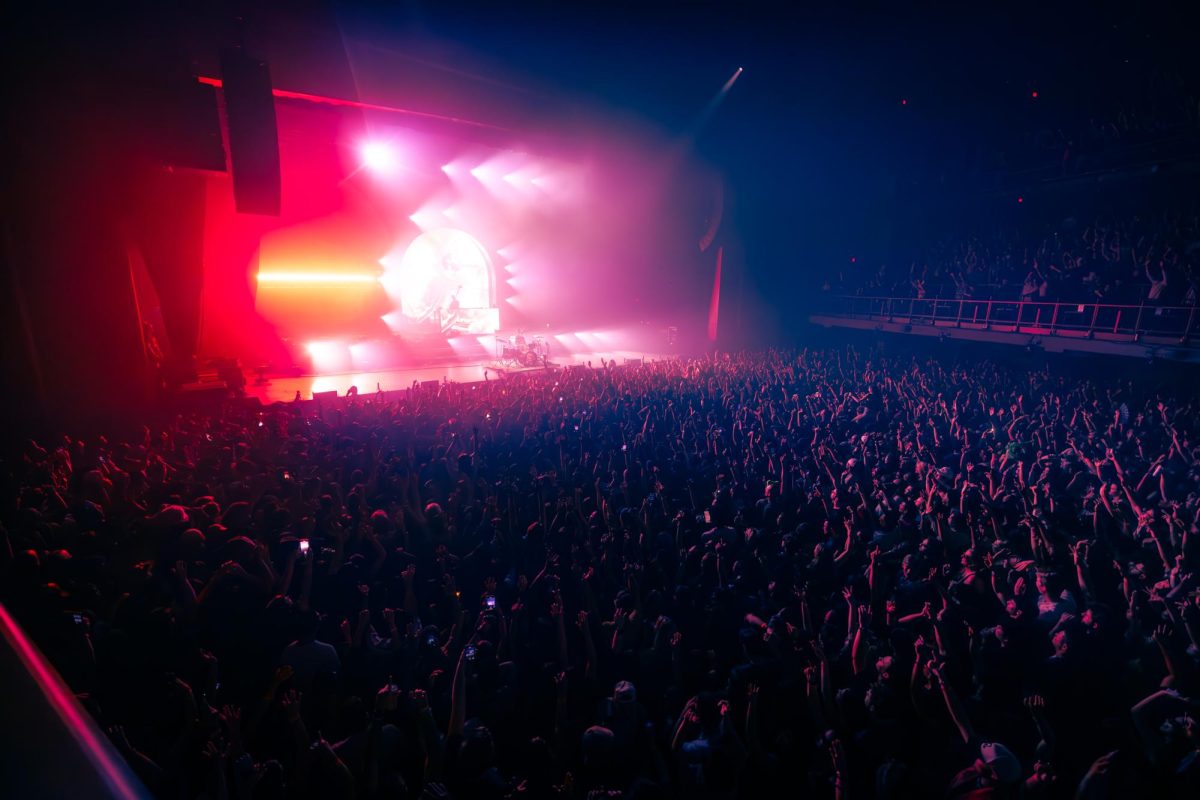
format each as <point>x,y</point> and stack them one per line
<point>819,573</point>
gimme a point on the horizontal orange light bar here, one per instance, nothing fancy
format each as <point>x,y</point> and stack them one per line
<point>317,277</point>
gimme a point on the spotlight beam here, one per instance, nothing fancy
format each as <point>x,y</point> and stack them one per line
<point>729,83</point>
<point>713,103</point>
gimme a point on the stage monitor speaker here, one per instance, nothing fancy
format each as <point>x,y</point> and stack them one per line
<point>330,395</point>
<point>253,138</point>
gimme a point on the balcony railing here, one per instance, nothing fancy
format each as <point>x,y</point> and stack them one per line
<point>1126,322</point>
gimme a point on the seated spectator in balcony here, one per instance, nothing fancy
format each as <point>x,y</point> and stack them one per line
<point>1034,286</point>
<point>1158,283</point>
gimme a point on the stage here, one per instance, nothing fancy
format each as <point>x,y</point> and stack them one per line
<point>278,389</point>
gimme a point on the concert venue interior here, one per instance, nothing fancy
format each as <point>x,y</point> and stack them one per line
<point>576,400</point>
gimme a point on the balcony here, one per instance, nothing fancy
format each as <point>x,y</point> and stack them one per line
<point>1135,330</point>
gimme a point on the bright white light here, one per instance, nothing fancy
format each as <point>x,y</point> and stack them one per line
<point>328,356</point>
<point>379,157</point>
<point>426,218</point>
<point>394,320</point>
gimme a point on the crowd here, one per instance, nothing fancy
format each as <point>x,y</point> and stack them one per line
<point>815,574</point>
<point>1118,129</point>
<point>1149,259</point>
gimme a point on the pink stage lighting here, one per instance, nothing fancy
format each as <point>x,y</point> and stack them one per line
<point>379,157</point>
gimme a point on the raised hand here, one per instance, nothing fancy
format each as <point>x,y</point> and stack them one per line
<point>388,696</point>
<point>290,703</point>
<point>283,674</point>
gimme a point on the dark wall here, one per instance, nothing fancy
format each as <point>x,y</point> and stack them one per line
<point>69,294</point>
<point>107,134</point>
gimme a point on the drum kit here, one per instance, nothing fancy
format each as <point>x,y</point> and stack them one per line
<point>518,350</point>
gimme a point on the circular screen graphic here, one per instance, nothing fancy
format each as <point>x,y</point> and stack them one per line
<point>444,279</point>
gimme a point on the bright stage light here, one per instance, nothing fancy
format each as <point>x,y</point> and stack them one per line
<point>379,157</point>
<point>296,277</point>
<point>329,356</point>
<point>394,320</point>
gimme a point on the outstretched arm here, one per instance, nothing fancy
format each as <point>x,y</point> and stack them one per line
<point>458,699</point>
<point>958,713</point>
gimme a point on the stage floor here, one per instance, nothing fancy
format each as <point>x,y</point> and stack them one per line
<point>284,388</point>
